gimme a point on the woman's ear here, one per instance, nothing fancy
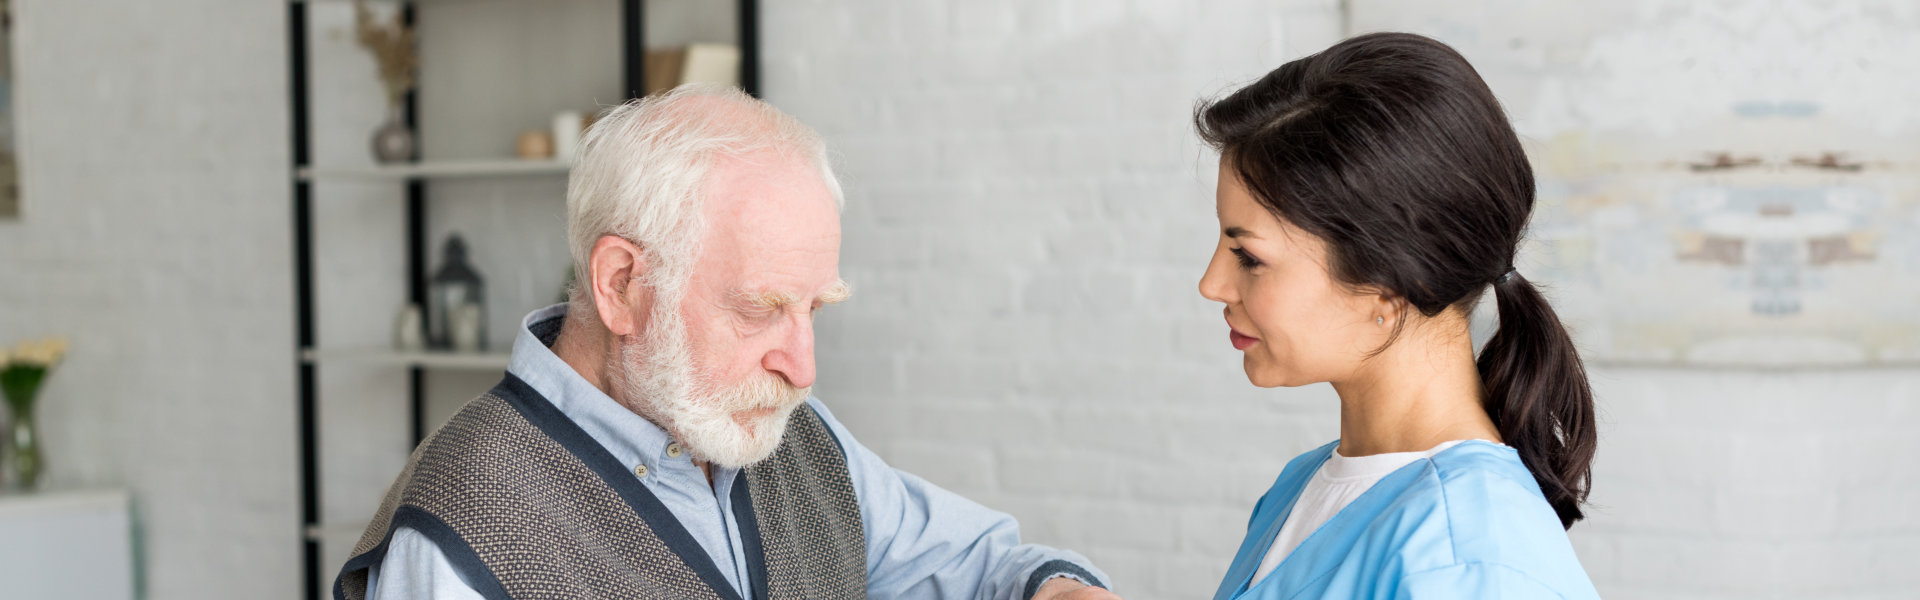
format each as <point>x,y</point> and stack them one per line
<point>1385,314</point>
<point>1385,309</point>
<point>615,267</point>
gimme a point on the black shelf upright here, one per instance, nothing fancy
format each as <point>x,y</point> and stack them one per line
<point>416,255</point>
<point>303,297</point>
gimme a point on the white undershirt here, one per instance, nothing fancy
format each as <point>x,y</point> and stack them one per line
<point>1338,482</point>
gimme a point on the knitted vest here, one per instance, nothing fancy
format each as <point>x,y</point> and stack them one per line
<point>526,505</point>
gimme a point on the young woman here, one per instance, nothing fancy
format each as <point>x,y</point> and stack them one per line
<point>1369,195</point>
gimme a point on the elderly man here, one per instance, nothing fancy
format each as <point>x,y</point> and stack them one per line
<point>654,437</point>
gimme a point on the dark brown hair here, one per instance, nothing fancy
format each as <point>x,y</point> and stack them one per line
<point>1391,149</point>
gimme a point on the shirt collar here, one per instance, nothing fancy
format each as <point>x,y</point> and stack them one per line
<point>631,438</point>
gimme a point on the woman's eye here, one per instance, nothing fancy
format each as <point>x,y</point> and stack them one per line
<point>1246,260</point>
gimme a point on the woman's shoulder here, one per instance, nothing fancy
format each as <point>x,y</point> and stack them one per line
<point>1484,492</point>
<point>1491,512</point>
<point>1482,467</point>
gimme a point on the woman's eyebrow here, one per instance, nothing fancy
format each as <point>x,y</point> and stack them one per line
<point>1239,232</point>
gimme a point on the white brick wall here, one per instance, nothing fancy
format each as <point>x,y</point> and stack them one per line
<point>1745,484</point>
<point>1028,215</point>
<point>156,234</point>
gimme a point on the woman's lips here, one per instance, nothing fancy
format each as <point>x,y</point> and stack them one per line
<point>1240,342</point>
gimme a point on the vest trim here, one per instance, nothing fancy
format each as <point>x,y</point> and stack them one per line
<point>544,415</point>
<point>461,555</point>
<point>750,539</point>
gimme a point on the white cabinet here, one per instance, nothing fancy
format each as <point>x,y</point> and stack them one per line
<point>60,545</point>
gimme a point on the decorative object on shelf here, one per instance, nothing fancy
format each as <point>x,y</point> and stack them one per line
<point>586,122</point>
<point>567,128</point>
<point>21,373</point>
<point>466,328</point>
<point>393,141</point>
<point>693,63</point>
<point>534,144</point>
<point>455,286</point>
<point>410,330</point>
<point>392,47</point>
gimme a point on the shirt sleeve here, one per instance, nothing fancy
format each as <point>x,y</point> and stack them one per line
<point>926,542</point>
<point>1472,580</point>
<point>415,568</point>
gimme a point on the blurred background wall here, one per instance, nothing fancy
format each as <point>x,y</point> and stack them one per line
<point>155,234</point>
<point>1027,218</point>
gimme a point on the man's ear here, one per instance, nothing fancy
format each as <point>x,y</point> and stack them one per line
<point>615,267</point>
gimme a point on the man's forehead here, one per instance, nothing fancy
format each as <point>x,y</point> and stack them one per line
<point>766,185</point>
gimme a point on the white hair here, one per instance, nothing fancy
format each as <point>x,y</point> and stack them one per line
<point>640,170</point>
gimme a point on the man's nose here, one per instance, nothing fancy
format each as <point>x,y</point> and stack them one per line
<point>793,358</point>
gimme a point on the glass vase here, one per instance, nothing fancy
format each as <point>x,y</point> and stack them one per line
<point>20,384</point>
<point>23,449</point>
<point>393,141</point>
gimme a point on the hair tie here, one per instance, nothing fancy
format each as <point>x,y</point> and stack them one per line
<point>1508,276</point>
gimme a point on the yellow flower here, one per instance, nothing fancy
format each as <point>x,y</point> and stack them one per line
<point>44,353</point>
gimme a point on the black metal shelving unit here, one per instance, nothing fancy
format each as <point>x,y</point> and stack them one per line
<point>633,54</point>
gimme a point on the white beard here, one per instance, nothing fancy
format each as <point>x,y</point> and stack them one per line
<point>655,376</point>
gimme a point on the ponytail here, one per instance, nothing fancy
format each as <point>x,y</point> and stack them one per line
<point>1537,394</point>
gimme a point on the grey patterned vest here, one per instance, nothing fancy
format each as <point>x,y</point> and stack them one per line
<point>526,505</point>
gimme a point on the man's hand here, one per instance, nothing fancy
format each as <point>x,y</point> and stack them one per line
<point>1064,588</point>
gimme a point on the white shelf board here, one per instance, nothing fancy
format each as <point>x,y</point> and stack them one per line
<point>345,532</point>
<point>351,1</point>
<point>438,169</point>
<point>426,359</point>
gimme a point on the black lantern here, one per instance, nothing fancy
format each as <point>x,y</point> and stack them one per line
<point>458,298</point>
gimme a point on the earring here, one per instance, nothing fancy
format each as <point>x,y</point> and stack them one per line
<point>1379,320</point>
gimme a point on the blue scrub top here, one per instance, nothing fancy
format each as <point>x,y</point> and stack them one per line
<point>1469,522</point>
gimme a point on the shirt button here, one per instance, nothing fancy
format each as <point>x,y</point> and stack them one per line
<point>673,450</point>
<point>640,470</point>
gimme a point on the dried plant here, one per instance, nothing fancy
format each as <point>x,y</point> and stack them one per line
<point>392,47</point>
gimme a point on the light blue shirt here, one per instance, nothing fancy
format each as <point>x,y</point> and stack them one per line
<point>922,541</point>
<point>1469,522</point>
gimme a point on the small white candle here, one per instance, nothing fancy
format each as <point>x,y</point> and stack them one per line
<point>566,134</point>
